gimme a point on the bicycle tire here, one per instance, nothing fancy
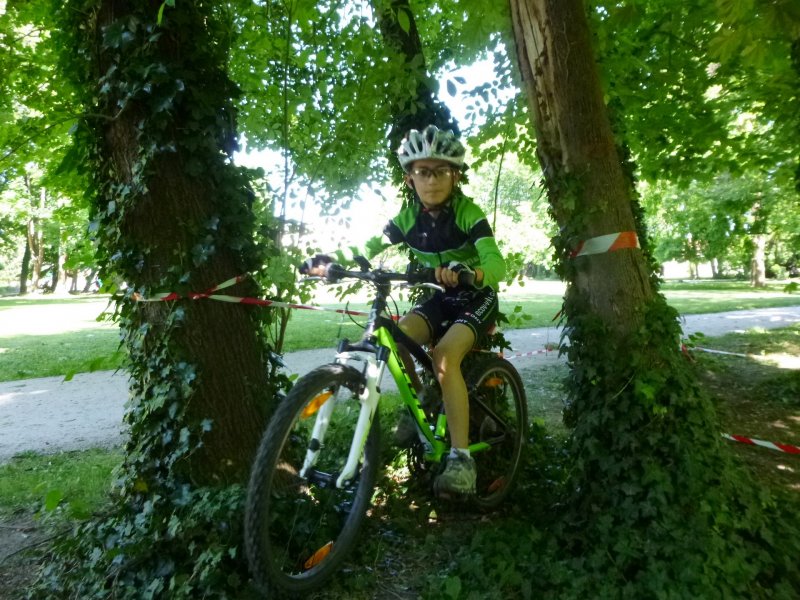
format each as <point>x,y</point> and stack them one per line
<point>299,530</point>
<point>498,415</point>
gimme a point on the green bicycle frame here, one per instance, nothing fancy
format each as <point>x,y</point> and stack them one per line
<point>434,441</point>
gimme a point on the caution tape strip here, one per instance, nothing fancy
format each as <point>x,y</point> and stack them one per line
<point>788,448</point>
<point>686,349</point>
<point>249,301</point>
<point>523,354</point>
<point>606,243</point>
<point>210,295</point>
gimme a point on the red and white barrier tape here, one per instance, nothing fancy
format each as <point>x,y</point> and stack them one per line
<point>167,296</point>
<point>726,353</point>
<point>522,354</point>
<point>788,448</point>
<point>607,243</point>
<point>210,295</point>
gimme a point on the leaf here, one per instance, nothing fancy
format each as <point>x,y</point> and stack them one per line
<point>452,587</point>
<point>170,3</point>
<point>451,87</point>
<point>403,20</point>
<point>52,499</point>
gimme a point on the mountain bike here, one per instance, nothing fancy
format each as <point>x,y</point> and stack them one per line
<point>313,478</point>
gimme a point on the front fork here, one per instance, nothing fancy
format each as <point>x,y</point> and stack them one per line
<point>368,400</point>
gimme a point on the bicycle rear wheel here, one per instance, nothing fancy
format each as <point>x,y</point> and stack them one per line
<point>498,417</point>
<point>298,530</point>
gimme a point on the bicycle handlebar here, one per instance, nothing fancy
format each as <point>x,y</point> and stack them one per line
<point>335,272</point>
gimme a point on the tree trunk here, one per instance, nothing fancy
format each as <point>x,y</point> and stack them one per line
<point>34,236</point>
<point>57,277</point>
<point>184,226</point>
<point>758,263</point>
<point>651,495</point>
<point>24,272</point>
<point>412,111</point>
<point>588,191</point>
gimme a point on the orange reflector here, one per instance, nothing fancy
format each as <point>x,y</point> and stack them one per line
<point>314,405</point>
<point>497,484</point>
<point>318,556</point>
<point>493,382</point>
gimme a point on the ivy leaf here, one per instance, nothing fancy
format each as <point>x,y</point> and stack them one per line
<point>403,20</point>
<point>52,499</point>
<point>451,87</point>
<point>170,3</point>
<point>452,587</point>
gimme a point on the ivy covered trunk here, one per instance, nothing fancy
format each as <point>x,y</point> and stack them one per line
<point>170,213</point>
<point>173,215</point>
<point>414,103</point>
<point>654,506</point>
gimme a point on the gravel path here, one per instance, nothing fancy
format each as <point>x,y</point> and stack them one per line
<point>49,414</point>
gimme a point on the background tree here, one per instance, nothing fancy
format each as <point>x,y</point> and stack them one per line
<point>36,111</point>
<point>654,504</point>
<point>723,222</point>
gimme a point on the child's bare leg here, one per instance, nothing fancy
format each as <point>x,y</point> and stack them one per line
<point>447,357</point>
<point>416,328</point>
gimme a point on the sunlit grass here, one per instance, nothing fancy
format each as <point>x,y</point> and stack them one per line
<point>68,484</point>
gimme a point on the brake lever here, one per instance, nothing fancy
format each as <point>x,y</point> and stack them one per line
<point>426,284</point>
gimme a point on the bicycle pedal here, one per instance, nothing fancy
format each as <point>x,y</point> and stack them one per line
<point>455,497</point>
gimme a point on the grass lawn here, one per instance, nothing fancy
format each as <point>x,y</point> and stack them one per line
<point>44,336</point>
<point>66,485</point>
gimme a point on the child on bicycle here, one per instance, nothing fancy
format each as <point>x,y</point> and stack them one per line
<point>445,230</point>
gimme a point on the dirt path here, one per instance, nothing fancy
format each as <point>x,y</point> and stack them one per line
<point>49,414</point>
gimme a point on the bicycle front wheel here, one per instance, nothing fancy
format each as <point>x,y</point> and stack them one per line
<point>299,527</point>
<point>498,418</point>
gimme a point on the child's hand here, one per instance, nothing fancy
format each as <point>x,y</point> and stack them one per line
<point>446,277</point>
<point>455,274</point>
<point>316,266</point>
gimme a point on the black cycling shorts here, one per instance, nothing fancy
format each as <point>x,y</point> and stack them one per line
<point>475,308</point>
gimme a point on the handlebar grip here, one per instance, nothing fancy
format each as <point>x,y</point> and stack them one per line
<point>466,278</point>
<point>426,275</point>
<point>334,272</point>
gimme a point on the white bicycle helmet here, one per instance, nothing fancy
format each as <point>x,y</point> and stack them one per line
<point>433,143</point>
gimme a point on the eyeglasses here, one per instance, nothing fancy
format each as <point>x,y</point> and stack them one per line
<point>437,173</point>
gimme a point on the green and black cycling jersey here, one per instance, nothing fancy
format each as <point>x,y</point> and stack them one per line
<point>458,231</point>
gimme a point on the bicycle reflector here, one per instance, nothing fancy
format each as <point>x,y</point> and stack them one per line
<point>313,406</point>
<point>318,556</point>
<point>497,484</point>
<point>493,382</point>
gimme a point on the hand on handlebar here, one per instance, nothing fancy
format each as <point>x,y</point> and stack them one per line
<point>316,266</point>
<point>330,272</point>
<point>455,274</point>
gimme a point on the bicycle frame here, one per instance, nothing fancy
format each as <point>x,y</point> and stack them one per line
<point>378,350</point>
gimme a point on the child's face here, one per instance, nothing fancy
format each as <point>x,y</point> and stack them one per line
<point>434,181</point>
